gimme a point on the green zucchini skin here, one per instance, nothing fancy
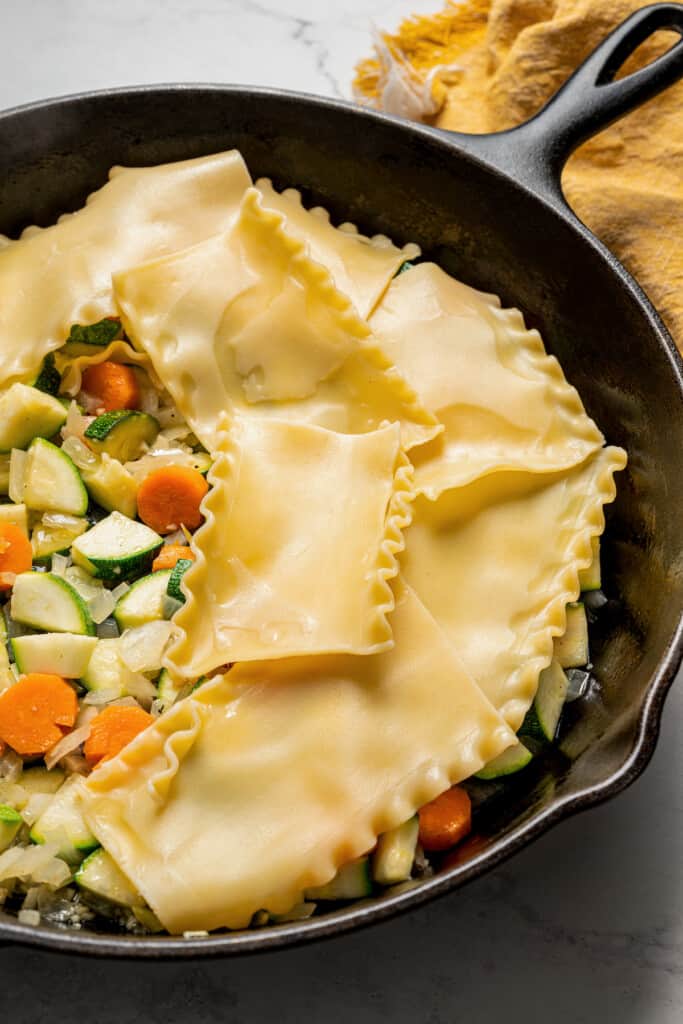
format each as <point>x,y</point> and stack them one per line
<point>122,434</point>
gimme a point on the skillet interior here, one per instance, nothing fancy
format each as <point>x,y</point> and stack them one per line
<point>413,184</point>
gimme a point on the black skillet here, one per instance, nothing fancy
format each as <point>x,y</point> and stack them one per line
<point>490,210</point>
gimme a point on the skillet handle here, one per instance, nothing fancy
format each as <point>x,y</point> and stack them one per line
<point>535,152</point>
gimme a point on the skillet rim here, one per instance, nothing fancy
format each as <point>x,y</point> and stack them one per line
<point>662,678</point>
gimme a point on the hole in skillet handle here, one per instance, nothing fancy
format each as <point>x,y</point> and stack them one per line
<point>535,152</point>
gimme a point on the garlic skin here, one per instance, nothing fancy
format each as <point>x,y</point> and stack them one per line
<point>401,91</point>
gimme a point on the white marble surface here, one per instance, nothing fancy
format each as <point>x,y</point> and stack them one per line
<point>583,928</point>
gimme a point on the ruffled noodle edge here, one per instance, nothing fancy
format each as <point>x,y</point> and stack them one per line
<point>409,251</point>
<point>318,278</point>
<point>537,648</point>
<point>117,351</point>
<point>221,477</point>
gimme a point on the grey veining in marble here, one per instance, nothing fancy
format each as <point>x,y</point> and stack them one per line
<point>585,927</point>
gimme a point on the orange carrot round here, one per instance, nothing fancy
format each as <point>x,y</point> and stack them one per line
<point>36,712</point>
<point>114,385</point>
<point>170,554</point>
<point>445,820</point>
<point>16,554</point>
<point>170,497</point>
<point>112,730</point>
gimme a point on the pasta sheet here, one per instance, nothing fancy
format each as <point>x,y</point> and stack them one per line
<point>361,267</point>
<point>298,548</point>
<point>53,278</point>
<point>505,404</point>
<point>247,322</point>
<point>266,780</point>
<point>496,563</point>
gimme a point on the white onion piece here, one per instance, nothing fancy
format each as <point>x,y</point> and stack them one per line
<point>141,689</point>
<point>170,605</point>
<point>75,764</point>
<point>11,766</point>
<point>107,630</point>
<point>120,590</point>
<point>62,521</point>
<point>101,605</point>
<point>142,647</point>
<point>13,794</point>
<point>37,803</point>
<point>125,702</point>
<point>60,563</point>
<point>67,744</point>
<point>85,584</point>
<point>75,425</point>
<point>78,452</point>
<point>98,698</point>
<point>175,538</point>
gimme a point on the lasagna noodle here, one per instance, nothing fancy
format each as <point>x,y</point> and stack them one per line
<point>361,267</point>
<point>247,322</point>
<point>298,548</point>
<point>52,278</point>
<point>497,562</point>
<point>505,404</point>
<point>287,769</point>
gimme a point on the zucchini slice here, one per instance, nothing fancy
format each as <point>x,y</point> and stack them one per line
<point>510,761</point>
<point>591,578</point>
<point>144,602</point>
<point>393,858</point>
<point>571,649</point>
<point>48,602</point>
<point>62,654</point>
<point>62,823</point>
<point>123,434</point>
<point>168,689</point>
<point>25,413</point>
<point>117,548</point>
<point>15,514</point>
<point>101,876</point>
<point>51,481</point>
<point>543,717</point>
<point>105,670</point>
<point>112,486</point>
<point>176,574</point>
<point>351,882</point>
<point>10,823</point>
<point>56,536</point>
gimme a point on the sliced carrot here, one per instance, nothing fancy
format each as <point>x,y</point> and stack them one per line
<point>170,554</point>
<point>170,497</point>
<point>112,730</point>
<point>113,384</point>
<point>36,712</point>
<point>16,554</point>
<point>445,820</point>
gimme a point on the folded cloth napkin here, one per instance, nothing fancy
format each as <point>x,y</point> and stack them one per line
<point>487,65</point>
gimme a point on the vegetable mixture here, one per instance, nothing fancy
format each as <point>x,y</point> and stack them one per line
<point>103,493</point>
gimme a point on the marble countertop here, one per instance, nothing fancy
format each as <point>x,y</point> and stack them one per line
<point>586,926</point>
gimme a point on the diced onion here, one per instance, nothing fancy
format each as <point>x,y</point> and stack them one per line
<point>71,741</point>
<point>31,917</point>
<point>75,426</point>
<point>79,453</point>
<point>62,521</point>
<point>120,590</point>
<point>142,647</point>
<point>170,605</point>
<point>38,863</point>
<point>86,585</point>
<point>37,803</point>
<point>60,563</point>
<point>97,698</point>
<point>141,688</point>
<point>107,630</point>
<point>101,605</point>
<point>11,766</point>
<point>13,794</point>
<point>175,538</point>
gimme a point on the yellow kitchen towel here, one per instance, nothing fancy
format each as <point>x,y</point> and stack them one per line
<point>486,65</point>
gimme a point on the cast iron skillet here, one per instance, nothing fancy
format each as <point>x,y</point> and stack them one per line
<point>490,210</point>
